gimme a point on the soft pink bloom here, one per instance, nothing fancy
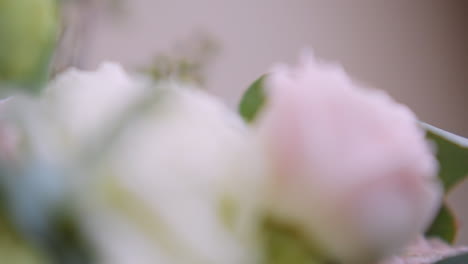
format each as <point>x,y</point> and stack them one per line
<point>351,166</point>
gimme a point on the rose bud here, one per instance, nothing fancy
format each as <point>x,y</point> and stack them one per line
<point>28,30</point>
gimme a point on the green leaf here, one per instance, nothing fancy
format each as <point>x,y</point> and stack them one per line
<point>452,153</point>
<point>444,225</point>
<point>253,100</point>
<point>459,259</point>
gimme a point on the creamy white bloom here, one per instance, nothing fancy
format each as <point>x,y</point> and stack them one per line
<point>179,180</point>
<point>350,165</point>
<point>87,103</point>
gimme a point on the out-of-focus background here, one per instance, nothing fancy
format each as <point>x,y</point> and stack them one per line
<point>415,50</point>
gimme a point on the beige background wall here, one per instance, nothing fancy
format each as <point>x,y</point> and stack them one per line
<point>416,50</point>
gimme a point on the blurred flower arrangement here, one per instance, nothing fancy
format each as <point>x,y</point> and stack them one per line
<point>111,166</point>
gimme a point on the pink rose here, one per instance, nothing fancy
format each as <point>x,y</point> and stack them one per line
<point>351,166</point>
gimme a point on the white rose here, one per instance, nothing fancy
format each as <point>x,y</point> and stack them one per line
<point>350,165</point>
<point>86,103</point>
<point>75,112</point>
<point>179,179</point>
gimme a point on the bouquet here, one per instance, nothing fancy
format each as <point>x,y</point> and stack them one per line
<point>115,166</point>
